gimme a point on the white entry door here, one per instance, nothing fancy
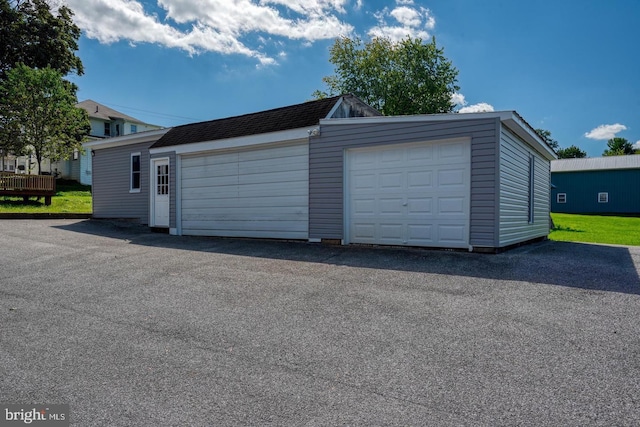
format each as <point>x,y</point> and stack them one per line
<point>160,193</point>
<point>410,194</point>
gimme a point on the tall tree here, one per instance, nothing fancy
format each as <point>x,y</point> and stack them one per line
<point>546,136</point>
<point>32,35</point>
<point>39,109</point>
<point>405,77</point>
<point>572,152</point>
<point>618,147</point>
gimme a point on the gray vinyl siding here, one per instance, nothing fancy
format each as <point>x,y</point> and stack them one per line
<point>111,183</point>
<point>326,169</point>
<point>514,191</point>
<point>172,184</point>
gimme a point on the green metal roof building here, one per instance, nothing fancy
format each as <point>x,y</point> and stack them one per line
<point>599,185</point>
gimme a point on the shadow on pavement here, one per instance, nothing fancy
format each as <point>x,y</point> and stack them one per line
<point>586,266</point>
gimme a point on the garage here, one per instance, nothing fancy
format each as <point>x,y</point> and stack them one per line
<point>409,194</point>
<point>255,192</point>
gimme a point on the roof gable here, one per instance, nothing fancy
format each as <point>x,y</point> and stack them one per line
<point>279,119</point>
<point>96,110</point>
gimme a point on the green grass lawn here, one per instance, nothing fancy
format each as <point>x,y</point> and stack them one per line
<point>596,229</point>
<point>70,198</point>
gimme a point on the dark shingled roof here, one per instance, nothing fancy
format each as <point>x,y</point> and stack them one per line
<point>279,119</point>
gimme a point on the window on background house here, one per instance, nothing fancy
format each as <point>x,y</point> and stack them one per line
<point>603,197</point>
<point>531,188</point>
<point>561,198</point>
<point>117,130</point>
<point>135,172</point>
<point>107,129</point>
<point>134,128</point>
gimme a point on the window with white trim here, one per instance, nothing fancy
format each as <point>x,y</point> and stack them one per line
<point>561,197</point>
<point>135,173</point>
<point>603,197</point>
<point>134,128</point>
<point>107,129</point>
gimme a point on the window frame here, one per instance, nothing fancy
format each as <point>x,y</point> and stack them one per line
<point>133,173</point>
<point>134,128</point>
<point>606,197</point>
<point>107,129</point>
<point>564,198</point>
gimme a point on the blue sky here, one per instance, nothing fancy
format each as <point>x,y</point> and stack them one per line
<point>567,66</point>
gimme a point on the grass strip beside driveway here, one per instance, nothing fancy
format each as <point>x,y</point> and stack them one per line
<point>70,197</point>
<point>596,229</point>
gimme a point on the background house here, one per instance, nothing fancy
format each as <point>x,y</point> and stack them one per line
<point>105,123</point>
<point>599,185</point>
<point>334,170</point>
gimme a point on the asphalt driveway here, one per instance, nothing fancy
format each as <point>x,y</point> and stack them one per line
<point>132,328</point>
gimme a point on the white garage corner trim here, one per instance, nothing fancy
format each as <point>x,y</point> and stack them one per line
<point>415,194</point>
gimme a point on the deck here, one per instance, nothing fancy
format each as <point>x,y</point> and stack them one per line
<point>25,186</point>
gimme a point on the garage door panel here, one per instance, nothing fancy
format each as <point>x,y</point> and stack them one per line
<point>409,194</point>
<point>207,195</point>
<point>419,156</point>
<point>452,152</point>
<point>253,193</point>
<point>420,180</point>
<point>451,234</point>
<point>249,204</point>
<point>389,204</point>
<point>452,205</point>
<point>390,181</point>
<point>390,231</point>
<point>419,206</point>
<point>452,177</point>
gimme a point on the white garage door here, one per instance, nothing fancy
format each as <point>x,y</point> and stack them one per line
<point>253,193</point>
<point>410,194</point>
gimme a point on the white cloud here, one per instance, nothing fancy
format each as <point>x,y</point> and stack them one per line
<point>458,99</point>
<point>481,107</point>
<point>637,145</point>
<point>402,21</point>
<point>221,26</point>
<point>605,131</point>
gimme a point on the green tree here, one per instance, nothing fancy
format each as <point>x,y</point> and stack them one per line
<point>39,111</point>
<point>572,152</point>
<point>396,78</point>
<point>32,35</point>
<point>546,136</point>
<point>618,147</point>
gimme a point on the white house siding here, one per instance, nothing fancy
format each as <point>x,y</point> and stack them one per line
<point>259,192</point>
<point>326,159</point>
<point>112,181</point>
<point>85,171</point>
<point>514,191</point>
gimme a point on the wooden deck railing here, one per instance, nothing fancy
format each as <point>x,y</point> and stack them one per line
<point>27,185</point>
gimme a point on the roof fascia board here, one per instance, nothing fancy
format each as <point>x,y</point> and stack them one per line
<point>239,142</point>
<point>502,115</point>
<point>133,138</point>
<point>335,107</point>
<point>508,118</point>
<point>515,124</point>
